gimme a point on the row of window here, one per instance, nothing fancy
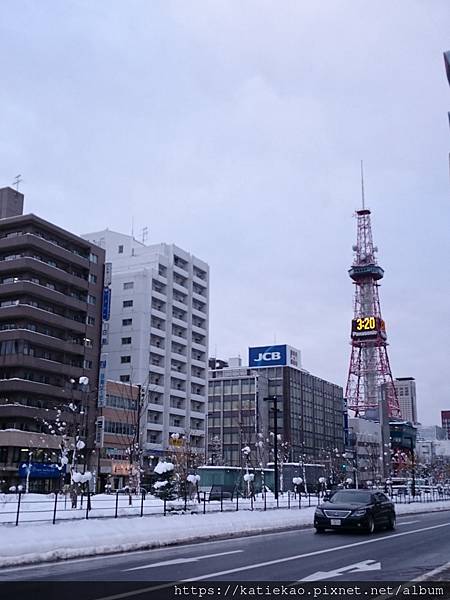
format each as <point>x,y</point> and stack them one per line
<point>119,428</point>
<point>200,306</point>
<point>120,402</point>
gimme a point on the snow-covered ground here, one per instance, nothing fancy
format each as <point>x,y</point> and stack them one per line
<point>40,507</point>
<point>37,542</point>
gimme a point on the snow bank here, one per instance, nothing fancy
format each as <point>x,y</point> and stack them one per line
<point>46,542</point>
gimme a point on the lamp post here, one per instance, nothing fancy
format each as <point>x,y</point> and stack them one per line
<point>413,469</point>
<point>274,399</point>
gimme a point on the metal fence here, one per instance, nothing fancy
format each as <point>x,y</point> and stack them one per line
<point>420,496</point>
<point>57,507</point>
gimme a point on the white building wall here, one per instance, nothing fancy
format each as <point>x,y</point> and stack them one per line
<point>406,394</point>
<point>168,354</point>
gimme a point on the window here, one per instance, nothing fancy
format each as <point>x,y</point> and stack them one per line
<point>125,378</point>
<point>92,278</point>
<point>125,359</point>
<point>88,364</point>
<point>128,285</point>
<point>127,322</point>
<point>120,249</point>
<point>90,320</point>
<point>126,340</point>
<point>93,258</point>
<point>127,303</point>
<point>91,299</point>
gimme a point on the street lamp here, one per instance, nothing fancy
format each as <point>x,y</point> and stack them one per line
<point>274,399</point>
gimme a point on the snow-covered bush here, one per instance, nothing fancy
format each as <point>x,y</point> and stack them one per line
<point>164,487</point>
<point>194,479</point>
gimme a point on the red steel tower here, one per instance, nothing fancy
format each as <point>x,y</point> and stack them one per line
<point>369,370</point>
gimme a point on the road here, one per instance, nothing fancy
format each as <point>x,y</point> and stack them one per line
<point>421,543</point>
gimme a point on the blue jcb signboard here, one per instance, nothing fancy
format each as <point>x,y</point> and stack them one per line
<point>42,470</point>
<point>267,356</point>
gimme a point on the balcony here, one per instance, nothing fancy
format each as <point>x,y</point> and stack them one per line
<point>158,313</point>
<point>159,295</point>
<point>181,268</point>
<point>178,321</point>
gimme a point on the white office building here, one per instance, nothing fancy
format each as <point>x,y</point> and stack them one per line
<point>157,335</point>
<point>406,394</point>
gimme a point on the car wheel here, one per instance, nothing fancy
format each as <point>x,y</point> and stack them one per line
<point>370,527</point>
<point>391,523</point>
<point>320,530</point>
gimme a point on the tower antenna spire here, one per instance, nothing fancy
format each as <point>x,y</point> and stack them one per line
<point>362,186</point>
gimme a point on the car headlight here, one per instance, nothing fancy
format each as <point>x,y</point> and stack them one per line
<point>320,512</point>
<point>360,512</point>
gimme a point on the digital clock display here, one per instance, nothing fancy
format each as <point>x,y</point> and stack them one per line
<point>368,327</point>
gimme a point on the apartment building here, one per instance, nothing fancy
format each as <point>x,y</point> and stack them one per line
<point>157,335</point>
<point>51,284</point>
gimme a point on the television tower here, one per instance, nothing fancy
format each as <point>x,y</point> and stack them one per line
<point>369,362</point>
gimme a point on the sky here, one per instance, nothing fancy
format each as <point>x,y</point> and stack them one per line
<point>235,129</point>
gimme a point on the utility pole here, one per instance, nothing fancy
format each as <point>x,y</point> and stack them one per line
<point>274,399</point>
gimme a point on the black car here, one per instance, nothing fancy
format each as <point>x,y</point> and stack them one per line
<point>362,510</point>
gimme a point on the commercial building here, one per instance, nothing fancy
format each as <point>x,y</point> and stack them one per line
<point>445,420</point>
<point>117,435</point>
<point>431,433</point>
<point>51,285</point>
<point>366,451</point>
<point>309,410</point>
<point>157,335</point>
<point>406,394</point>
<point>237,416</point>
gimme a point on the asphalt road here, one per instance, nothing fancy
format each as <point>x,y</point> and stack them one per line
<point>421,543</point>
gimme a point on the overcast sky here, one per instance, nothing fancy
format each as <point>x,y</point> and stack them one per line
<point>234,128</point>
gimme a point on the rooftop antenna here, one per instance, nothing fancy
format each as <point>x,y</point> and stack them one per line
<point>17,180</point>
<point>144,234</point>
<point>362,185</point>
<point>132,227</point>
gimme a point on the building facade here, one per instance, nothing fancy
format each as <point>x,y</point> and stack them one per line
<point>237,417</point>
<point>310,411</point>
<point>157,335</point>
<point>445,420</point>
<point>366,445</point>
<point>406,394</point>
<point>117,435</point>
<point>51,285</point>
<point>431,433</point>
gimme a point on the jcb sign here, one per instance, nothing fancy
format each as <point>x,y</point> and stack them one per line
<point>267,356</point>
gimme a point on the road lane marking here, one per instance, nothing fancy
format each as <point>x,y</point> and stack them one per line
<point>163,548</point>
<point>432,573</point>
<point>180,561</point>
<point>365,565</point>
<point>267,563</point>
<point>408,522</point>
<point>120,554</point>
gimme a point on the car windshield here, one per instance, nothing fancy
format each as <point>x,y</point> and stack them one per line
<point>352,497</point>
